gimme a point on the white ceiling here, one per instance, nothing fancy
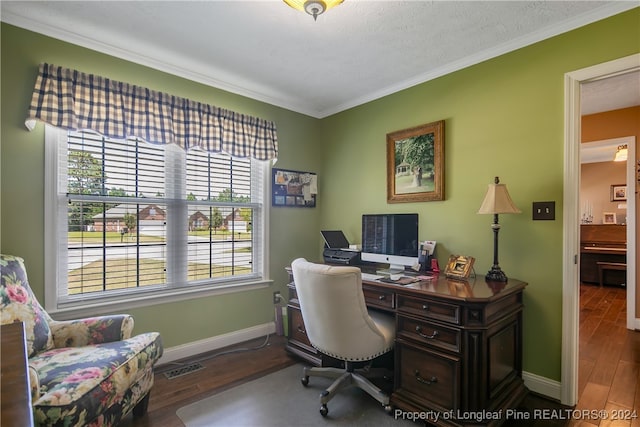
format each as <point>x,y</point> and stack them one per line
<point>359,51</point>
<point>611,93</point>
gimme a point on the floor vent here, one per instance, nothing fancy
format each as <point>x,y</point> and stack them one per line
<point>183,370</point>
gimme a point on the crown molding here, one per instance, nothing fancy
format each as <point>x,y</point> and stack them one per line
<point>578,21</point>
<point>196,72</point>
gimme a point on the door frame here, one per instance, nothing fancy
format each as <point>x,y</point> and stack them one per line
<point>571,223</point>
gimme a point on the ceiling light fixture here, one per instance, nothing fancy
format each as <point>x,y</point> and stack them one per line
<point>313,7</point>
<point>621,153</point>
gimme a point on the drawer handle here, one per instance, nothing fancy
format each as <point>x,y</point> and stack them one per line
<point>425,307</point>
<point>301,330</point>
<point>429,337</point>
<point>382,297</point>
<point>433,379</point>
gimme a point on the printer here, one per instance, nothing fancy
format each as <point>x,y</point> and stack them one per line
<point>336,249</point>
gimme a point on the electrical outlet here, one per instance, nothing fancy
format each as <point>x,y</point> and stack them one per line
<point>276,297</point>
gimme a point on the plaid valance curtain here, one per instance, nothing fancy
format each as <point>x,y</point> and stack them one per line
<point>70,99</point>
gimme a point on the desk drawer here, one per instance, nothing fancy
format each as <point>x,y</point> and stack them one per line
<point>381,298</point>
<point>430,309</point>
<point>297,331</point>
<point>429,333</point>
<point>428,377</point>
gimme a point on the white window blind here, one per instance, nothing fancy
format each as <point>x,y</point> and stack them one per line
<point>135,218</point>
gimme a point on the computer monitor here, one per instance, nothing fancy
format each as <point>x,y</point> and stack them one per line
<point>334,239</point>
<point>390,239</point>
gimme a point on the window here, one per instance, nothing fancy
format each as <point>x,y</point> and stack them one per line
<point>139,220</point>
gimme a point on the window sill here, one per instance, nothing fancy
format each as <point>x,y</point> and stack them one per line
<point>88,308</point>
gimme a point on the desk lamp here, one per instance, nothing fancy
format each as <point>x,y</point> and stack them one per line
<point>497,201</point>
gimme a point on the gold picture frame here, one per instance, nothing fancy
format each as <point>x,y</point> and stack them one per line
<point>415,164</point>
<point>459,267</point>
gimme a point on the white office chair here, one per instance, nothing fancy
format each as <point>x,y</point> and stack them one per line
<point>339,325</point>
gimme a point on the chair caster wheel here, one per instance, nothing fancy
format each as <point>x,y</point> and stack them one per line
<point>305,381</point>
<point>324,410</point>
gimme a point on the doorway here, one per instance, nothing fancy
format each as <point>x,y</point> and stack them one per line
<point>571,215</point>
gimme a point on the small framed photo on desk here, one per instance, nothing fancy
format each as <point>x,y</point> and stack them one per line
<point>459,267</point>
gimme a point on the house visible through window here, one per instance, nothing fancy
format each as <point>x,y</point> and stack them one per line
<point>134,218</point>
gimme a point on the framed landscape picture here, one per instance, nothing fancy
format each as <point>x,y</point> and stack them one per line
<point>415,164</point>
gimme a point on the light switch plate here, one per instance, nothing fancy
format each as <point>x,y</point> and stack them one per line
<point>544,211</point>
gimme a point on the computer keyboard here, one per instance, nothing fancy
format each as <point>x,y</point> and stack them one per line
<point>369,276</point>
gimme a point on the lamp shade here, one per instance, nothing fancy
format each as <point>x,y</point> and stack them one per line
<point>497,200</point>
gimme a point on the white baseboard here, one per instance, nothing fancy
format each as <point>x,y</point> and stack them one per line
<point>172,354</point>
<point>542,385</point>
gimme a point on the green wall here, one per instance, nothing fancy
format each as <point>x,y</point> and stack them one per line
<point>22,182</point>
<point>503,117</point>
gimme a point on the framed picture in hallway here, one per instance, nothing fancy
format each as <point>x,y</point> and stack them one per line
<point>415,164</point>
<point>618,193</point>
<point>609,218</point>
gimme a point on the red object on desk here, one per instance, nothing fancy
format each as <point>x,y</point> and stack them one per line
<point>434,265</point>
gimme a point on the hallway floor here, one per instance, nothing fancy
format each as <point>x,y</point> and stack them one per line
<point>609,366</point>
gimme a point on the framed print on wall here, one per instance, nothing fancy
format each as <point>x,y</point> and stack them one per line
<point>294,189</point>
<point>618,193</point>
<point>415,164</point>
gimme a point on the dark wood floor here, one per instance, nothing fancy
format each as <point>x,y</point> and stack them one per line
<point>609,367</point>
<point>608,372</point>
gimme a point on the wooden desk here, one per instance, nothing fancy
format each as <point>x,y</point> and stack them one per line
<point>458,345</point>
<point>15,395</point>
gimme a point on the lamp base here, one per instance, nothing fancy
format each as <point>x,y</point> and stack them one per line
<point>496,275</point>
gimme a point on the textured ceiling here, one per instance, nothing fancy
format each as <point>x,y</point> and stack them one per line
<point>355,53</point>
<point>612,93</point>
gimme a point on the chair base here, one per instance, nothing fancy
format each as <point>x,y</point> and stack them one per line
<point>345,378</point>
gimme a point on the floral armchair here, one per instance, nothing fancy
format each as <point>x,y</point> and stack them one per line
<point>82,372</point>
